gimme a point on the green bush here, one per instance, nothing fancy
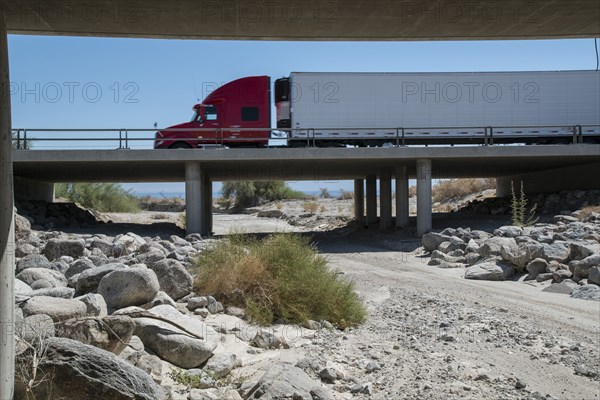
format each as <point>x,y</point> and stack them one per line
<point>103,197</point>
<point>279,277</point>
<point>251,193</point>
<point>518,207</point>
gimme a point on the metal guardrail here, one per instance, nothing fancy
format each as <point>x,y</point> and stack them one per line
<point>397,136</point>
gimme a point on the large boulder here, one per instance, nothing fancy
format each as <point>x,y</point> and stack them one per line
<point>58,309</point>
<point>489,271</point>
<point>73,370</point>
<point>594,275</point>
<point>110,333</point>
<point>493,246</point>
<point>579,251</point>
<point>22,288</point>
<point>221,364</point>
<point>31,275</point>
<point>581,268</point>
<point>128,287</point>
<point>536,267</point>
<point>151,256</point>
<point>556,251</point>
<point>89,279</point>
<point>32,261</point>
<point>522,254</point>
<point>173,278</point>
<point>431,241</point>
<point>179,339</point>
<point>22,227</point>
<point>283,381</point>
<point>55,248</point>
<point>130,242</point>
<point>78,266</point>
<point>509,231</point>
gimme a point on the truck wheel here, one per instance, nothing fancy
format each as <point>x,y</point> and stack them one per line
<point>180,145</point>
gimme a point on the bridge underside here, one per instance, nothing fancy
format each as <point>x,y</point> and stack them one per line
<point>308,20</point>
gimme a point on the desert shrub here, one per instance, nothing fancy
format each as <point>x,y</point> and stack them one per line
<point>279,277</point>
<point>455,188</point>
<point>585,212</point>
<point>244,194</point>
<point>104,197</point>
<point>324,193</point>
<point>310,206</point>
<point>345,195</point>
<point>518,207</point>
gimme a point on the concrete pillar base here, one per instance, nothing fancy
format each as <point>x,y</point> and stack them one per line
<point>194,215</point>
<point>402,205</point>
<point>385,200</point>
<point>29,189</point>
<point>359,201</point>
<point>371,199</point>
<point>424,217</point>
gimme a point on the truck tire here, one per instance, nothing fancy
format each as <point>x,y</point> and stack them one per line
<point>180,145</point>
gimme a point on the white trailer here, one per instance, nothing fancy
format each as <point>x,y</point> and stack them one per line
<point>435,108</point>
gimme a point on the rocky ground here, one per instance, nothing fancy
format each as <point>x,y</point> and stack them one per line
<point>114,313</point>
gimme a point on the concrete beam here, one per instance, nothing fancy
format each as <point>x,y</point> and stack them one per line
<point>359,200</point>
<point>307,20</point>
<point>29,189</point>
<point>579,177</point>
<point>385,201</point>
<point>371,199</point>
<point>194,215</point>
<point>424,217</point>
<point>402,199</point>
<point>7,230</point>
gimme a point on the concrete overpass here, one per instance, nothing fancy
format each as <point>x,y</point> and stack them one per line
<point>541,168</point>
<point>308,20</point>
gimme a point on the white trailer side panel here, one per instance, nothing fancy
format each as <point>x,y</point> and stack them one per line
<point>438,100</point>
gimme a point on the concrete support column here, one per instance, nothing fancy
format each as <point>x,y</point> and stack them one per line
<point>424,222</point>
<point>371,199</point>
<point>359,200</point>
<point>402,205</point>
<point>385,201</point>
<point>29,189</point>
<point>7,231</point>
<point>193,198</point>
<point>206,204</point>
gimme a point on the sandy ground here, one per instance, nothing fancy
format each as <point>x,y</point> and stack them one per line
<point>435,334</point>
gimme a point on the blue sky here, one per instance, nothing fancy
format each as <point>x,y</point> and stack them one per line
<point>71,82</point>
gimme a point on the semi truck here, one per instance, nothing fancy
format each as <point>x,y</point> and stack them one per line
<point>389,109</point>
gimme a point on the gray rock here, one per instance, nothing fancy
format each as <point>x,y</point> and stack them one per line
<point>197,302</point>
<point>320,394</point>
<point>330,375</point>
<point>561,275</point>
<point>493,246</point>
<point>152,365</point>
<point>95,303</point>
<point>78,267</point>
<point>133,351</point>
<point>42,284</point>
<point>22,227</point>
<point>62,292</point>
<point>472,258</point>
<point>26,249</point>
<point>219,365</point>
<point>35,328</point>
<point>128,287</point>
<point>587,292</point>
<point>22,288</point>
<point>581,268</point>
<point>594,275</point>
<point>160,299</point>
<point>173,278</point>
<point>203,379</point>
<point>187,348</point>
<point>55,248</point>
<point>522,254</point>
<point>107,248</point>
<point>32,261</point>
<point>151,256</point>
<point>30,275</point>
<point>452,245</point>
<point>215,307</point>
<point>110,333</point>
<point>81,371</point>
<point>509,231</point>
<point>268,340</point>
<point>554,266</point>
<point>579,251</point>
<point>536,267</point>
<point>58,309</point>
<point>565,287</point>
<point>557,251</point>
<point>489,271</point>
<point>283,381</point>
<point>431,241</point>
<point>373,366</point>
<point>89,279</point>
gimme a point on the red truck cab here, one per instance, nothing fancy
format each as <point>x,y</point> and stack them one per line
<point>243,103</point>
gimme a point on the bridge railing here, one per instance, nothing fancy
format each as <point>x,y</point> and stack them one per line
<point>125,138</point>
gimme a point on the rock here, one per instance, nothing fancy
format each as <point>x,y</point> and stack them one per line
<point>89,280</point>
<point>493,245</point>
<point>55,248</point>
<point>152,365</point>
<point>95,303</point>
<point>557,251</point>
<point>520,384</point>
<point>536,267</point>
<point>30,275</point>
<point>215,308</point>
<point>130,242</point>
<point>594,275</point>
<point>110,333</point>
<point>320,394</point>
<point>581,268</point>
<point>32,261</point>
<point>80,371</point>
<point>268,340</point>
<point>62,292</point>
<point>554,266</point>
<point>579,251</point>
<point>565,287</point>
<point>283,381</point>
<point>26,249</point>
<point>42,284</point>
<point>202,379</point>
<point>133,351</point>
<point>372,366</point>
<point>431,241</point>
<point>173,278</point>
<point>566,219</point>
<point>22,288</point>
<point>22,227</point>
<point>58,309</point>
<point>150,257</point>
<point>486,271</point>
<point>472,258</point>
<point>509,231</point>
<point>522,254</point>
<point>161,298</point>
<point>310,324</point>
<point>128,287</point>
<point>187,348</point>
<point>561,275</point>
<point>587,292</point>
<point>452,245</point>
<point>330,375</point>
<point>107,248</point>
<point>270,214</point>
<point>197,302</point>
<point>35,328</point>
<point>78,267</point>
<point>220,365</point>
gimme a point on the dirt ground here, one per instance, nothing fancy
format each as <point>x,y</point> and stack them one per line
<point>430,332</point>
